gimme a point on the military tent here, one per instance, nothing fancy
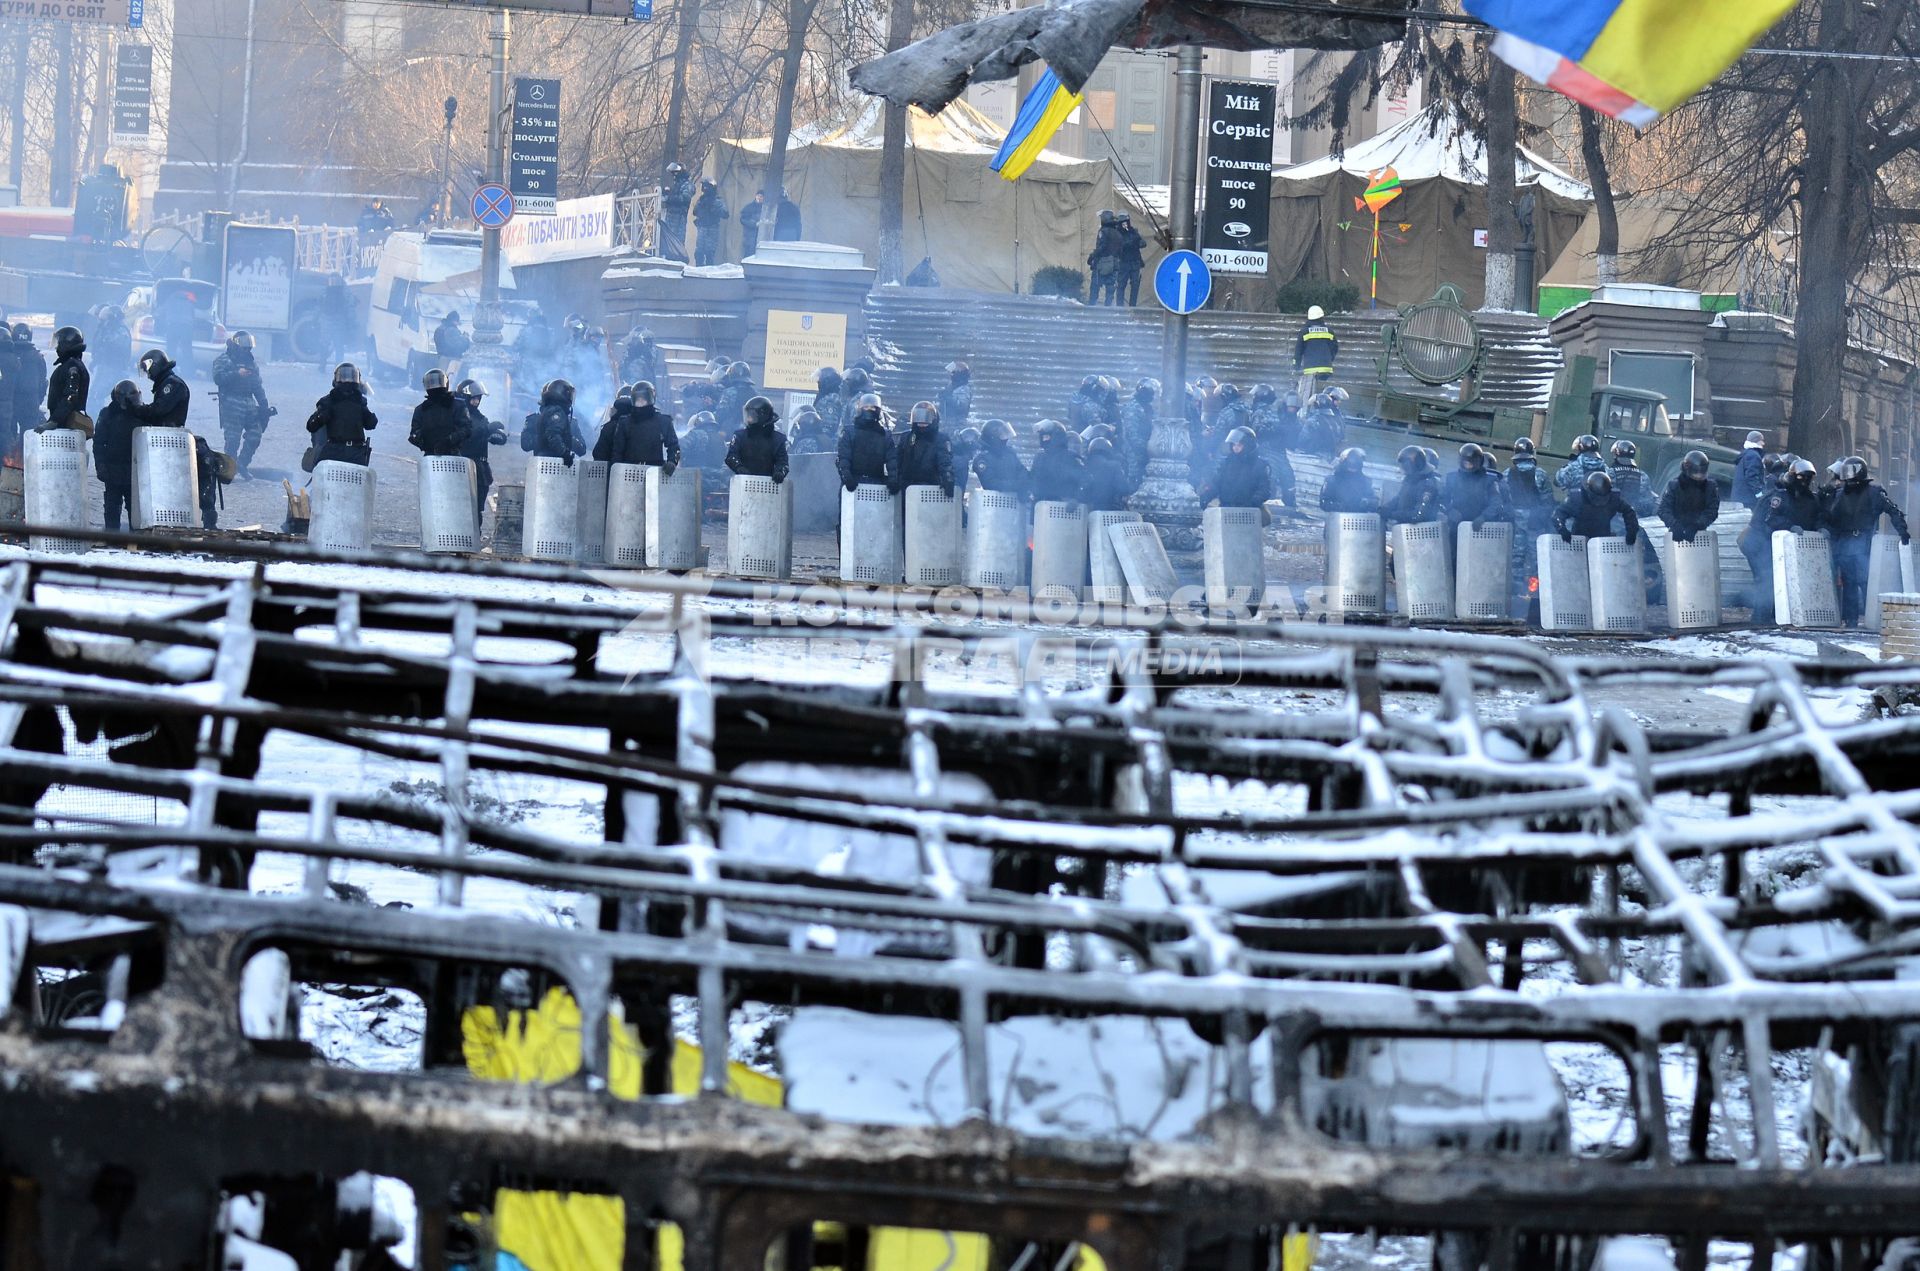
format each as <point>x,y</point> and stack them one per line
<point>981,232</point>
<point>1655,248</point>
<point>1428,234</point>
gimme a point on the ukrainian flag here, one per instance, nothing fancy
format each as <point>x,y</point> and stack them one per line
<point>1634,60</point>
<point>1044,109</point>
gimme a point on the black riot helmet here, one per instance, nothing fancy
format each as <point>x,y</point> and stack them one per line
<point>759,412</point>
<point>1853,471</point>
<point>1146,389</point>
<point>643,393</point>
<point>125,394</point>
<point>1523,447</point>
<point>1694,465</point>
<point>68,342</point>
<point>625,396</point>
<point>1049,432</point>
<point>1099,446</point>
<point>827,378</point>
<point>472,390</point>
<point>969,438</point>
<point>997,430</point>
<point>1472,458</point>
<point>1352,459</point>
<point>559,392</point>
<point>924,415</point>
<point>1599,485</point>
<point>345,373</point>
<point>1625,452</point>
<point>857,381</point>
<point>1801,473</point>
<point>1586,443</point>
<point>1229,392</point>
<point>1090,384</point>
<point>866,408</point>
<point>1413,460</point>
<point>1774,465</point>
<point>960,371</point>
<point>241,340</point>
<point>434,378</point>
<point>1264,393</point>
<point>1239,439</point>
<point>22,333</point>
<point>703,419</point>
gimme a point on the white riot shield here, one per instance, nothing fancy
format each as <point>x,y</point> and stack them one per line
<point>591,511</point>
<point>1356,564</point>
<point>1059,550</point>
<point>1566,586</point>
<point>1617,586</point>
<point>56,486</point>
<point>816,493</point>
<point>673,519</point>
<point>626,526</point>
<point>1889,572</point>
<point>934,543</point>
<point>996,540</point>
<point>1693,582</point>
<point>342,507</point>
<point>1109,582</point>
<point>448,519</point>
<point>550,521</point>
<point>1483,565</point>
<point>870,546</point>
<point>1143,559</point>
<point>760,527</point>
<point>166,479</point>
<point>1804,594</point>
<point>1234,558</point>
<point>1422,572</point>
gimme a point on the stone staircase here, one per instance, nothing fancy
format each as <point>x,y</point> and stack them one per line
<point>1029,353</point>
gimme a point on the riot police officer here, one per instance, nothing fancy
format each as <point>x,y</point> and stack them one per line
<point>866,453</point>
<point>439,424</point>
<point>1585,462</point>
<point>243,399</point>
<point>341,420</point>
<point>1591,510</point>
<point>550,431</point>
<point>1348,488</point>
<point>1853,511</point>
<point>758,449</point>
<point>925,457</point>
<point>997,464</point>
<point>1418,498</point>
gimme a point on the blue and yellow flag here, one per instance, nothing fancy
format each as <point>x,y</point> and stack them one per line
<point>1045,107</point>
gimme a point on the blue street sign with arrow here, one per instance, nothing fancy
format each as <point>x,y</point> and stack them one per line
<point>492,206</point>
<point>1183,282</point>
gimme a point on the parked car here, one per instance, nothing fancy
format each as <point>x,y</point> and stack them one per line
<point>143,305</point>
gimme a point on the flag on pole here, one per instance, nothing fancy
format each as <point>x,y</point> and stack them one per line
<point>1634,60</point>
<point>1045,107</point>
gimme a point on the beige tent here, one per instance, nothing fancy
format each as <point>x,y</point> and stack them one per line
<point>1645,221</point>
<point>982,233</point>
<point>1427,234</point>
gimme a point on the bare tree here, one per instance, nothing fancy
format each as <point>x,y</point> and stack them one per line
<point>1606,257</point>
<point>1504,231</point>
<point>893,155</point>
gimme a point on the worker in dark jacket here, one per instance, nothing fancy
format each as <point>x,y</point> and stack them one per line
<point>450,343</point>
<point>1749,474</point>
<point>341,420</point>
<point>29,379</point>
<point>482,434</point>
<point>1589,512</point>
<point>866,452</point>
<point>758,449</point>
<point>439,422</point>
<point>639,432</point>
<point>1133,260</point>
<point>1475,491</point>
<point>1058,474</point>
<point>956,399</point>
<point>1348,488</point>
<point>1241,478</point>
<point>1106,486</point>
<point>1691,502</point>
<point>551,432</point>
<point>1853,511</point>
<point>170,397</point>
<point>244,411</point>
<point>113,450</point>
<point>997,464</point>
<point>925,457</point>
<point>1787,502</point>
<point>709,211</point>
<point>1315,353</point>
<point>68,385</point>
<point>1418,498</point>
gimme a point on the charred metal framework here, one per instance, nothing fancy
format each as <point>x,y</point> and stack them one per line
<point>1487,814</point>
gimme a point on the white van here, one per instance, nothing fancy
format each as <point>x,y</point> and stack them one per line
<point>419,278</point>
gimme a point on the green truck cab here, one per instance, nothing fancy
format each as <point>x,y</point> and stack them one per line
<point>1432,359</point>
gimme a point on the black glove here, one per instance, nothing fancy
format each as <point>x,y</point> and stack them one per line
<point>1683,538</point>
<point>668,469</point>
<point>1906,540</point>
<point>946,488</point>
<point>851,485</point>
<point>1633,536</point>
<point>1566,536</point>
<point>567,459</point>
<point>1479,522</point>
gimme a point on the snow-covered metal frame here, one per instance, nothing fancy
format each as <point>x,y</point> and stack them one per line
<point>1478,810</point>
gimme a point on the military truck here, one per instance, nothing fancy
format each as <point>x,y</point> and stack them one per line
<point>1433,356</point>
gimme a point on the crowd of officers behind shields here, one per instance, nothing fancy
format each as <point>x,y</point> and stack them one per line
<point>1096,457</point>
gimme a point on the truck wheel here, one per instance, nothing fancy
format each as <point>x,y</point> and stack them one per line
<point>306,337</point>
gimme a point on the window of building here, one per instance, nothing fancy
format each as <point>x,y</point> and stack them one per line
<point>372,31</point>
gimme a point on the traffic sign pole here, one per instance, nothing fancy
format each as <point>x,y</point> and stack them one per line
<point>1186,183</point>
<point>489,345</point>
